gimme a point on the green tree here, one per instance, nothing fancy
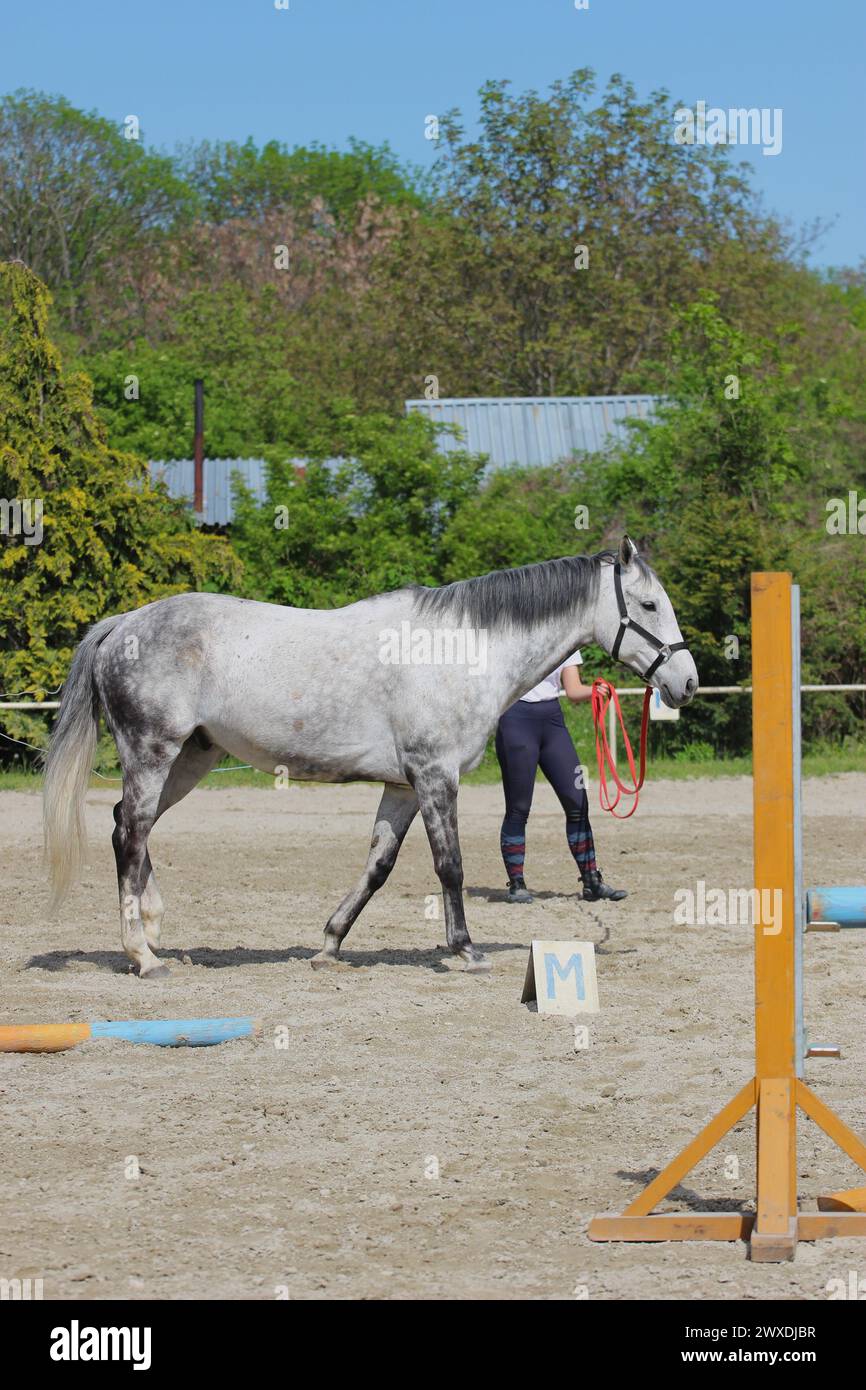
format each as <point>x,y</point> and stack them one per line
<point>236,343</point>
<point>369,515</point>
<point>242,180</point>
<point>731,477</point>
<point>522,515</point>
<point>564,234</point>
<point>108,540</point>
<point>78,199</point>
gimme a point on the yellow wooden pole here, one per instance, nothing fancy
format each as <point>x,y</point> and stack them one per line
<point>773,800</point>
<point>775,1001</point>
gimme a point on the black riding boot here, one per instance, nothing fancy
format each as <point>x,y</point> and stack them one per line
<point>518,891</point>
<point>595,888</point>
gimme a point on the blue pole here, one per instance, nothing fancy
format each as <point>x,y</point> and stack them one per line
<point>178,1032</point>
<point>847,906</point>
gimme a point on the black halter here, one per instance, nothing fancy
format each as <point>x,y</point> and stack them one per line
<point>665,652</point>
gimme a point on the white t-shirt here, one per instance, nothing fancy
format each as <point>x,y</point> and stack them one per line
<point>551,687</point>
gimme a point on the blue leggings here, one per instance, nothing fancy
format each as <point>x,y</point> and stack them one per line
<point>532,735</point>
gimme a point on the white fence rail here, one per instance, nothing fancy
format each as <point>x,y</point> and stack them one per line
<point>715,690</point>
<point>611,713</point>
<point>31,704</point>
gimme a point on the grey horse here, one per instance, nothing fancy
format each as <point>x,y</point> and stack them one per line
<point>404,688</point>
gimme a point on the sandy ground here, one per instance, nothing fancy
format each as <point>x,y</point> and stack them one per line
<point>306,1169</point>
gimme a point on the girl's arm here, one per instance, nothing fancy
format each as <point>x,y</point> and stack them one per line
<point>573,686</point>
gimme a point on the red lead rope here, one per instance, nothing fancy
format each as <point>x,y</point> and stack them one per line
<point>603,694</point>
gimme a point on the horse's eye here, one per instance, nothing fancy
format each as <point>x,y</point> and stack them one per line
<point>650,607</point>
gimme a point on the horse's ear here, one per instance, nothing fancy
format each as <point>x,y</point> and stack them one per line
<point>627,550</point>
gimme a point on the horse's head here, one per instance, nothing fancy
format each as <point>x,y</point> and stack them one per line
<point>636,623</point>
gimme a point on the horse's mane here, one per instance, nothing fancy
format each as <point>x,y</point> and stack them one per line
<point>522,597</point>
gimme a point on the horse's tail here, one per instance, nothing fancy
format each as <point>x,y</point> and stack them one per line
<point>67,767</point>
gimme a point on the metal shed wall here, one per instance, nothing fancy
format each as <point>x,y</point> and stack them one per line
<point>529,430</point>
<point>217,496</point>
<point>535,430</point>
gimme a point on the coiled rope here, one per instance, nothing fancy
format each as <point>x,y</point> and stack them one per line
<point>603,696</point>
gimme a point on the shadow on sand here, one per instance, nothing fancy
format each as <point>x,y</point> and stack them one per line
<point>438,958</point>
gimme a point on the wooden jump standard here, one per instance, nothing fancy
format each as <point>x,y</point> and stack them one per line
<point>777,1088</point>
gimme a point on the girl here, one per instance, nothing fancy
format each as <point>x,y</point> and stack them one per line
<point>532,733</point>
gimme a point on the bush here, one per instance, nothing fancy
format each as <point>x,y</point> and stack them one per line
<point>110,540</point>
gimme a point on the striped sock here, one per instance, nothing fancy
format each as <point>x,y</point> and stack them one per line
<point>582,846</point>
<point>513,854</point>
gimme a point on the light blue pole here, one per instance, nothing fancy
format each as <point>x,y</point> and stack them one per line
<point>178,1032</point>
<point>847,906</point>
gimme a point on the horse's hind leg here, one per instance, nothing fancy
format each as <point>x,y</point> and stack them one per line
<point>152,906</point>
<point>134,816</point>
<point>194,762</point>
<point>148,790</point>
<point>397,810</point>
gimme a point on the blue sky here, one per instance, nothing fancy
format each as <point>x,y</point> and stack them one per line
<point>328,69</point>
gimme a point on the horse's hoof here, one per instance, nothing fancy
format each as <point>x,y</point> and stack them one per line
<point>477,965</point>
<point>323,959</point>
<point>156,972</point>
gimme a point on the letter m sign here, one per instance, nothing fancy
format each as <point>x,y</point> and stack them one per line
<point>561,977</point>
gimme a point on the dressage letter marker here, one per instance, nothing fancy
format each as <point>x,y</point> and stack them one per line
<point>561,977</point>
<point>659,710</point>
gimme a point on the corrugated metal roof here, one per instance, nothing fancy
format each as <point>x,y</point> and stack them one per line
<point>535,430</point>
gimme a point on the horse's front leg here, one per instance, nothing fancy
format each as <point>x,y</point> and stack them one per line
<point>436,789</point>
